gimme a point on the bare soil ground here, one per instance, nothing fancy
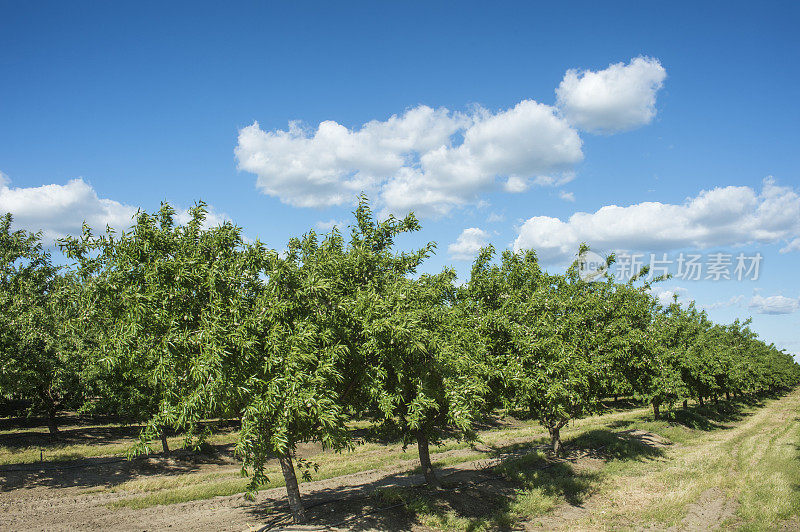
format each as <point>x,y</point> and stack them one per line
<point>80,495</point>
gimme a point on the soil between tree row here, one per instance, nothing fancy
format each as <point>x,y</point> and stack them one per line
<point>73,495</point>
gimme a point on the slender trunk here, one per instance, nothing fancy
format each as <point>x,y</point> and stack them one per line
<point>656,409</point>
<point>685,403</point>
<point>51,421</point>
<point>292,490</point>
<point>164,442</point>
<point>425,460</point>
<point>700,398</point>
<point>615,398</point>
<point>727,395</point>
<point>555,439</point>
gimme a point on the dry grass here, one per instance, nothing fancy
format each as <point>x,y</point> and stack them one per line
<point>748,469</point>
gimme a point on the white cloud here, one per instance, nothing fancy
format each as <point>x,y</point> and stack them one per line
<point>794,245</point>
<point>326,226</point>
<point>734,301</point>
<point>566,196</point>
<point>469,242</point>
<point>619,98</point>
<point>495,217</point>
<point>434,160</point>
<point>60,210</point>
<point>412,161</point>
<point>774,304</point>
<point>666,296</point>
<point>724,216</point>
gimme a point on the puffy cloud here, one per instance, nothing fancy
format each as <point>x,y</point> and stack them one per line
<point>724,216</point>
<point>774,304</point>
<point>434,160</point>
<point>332,164</point>
<point>619,98</point>
<point>469,242</point>
<point>60,210</point>
<point>412,162</point>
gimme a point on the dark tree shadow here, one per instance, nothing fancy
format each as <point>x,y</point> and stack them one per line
<point>107,471</point>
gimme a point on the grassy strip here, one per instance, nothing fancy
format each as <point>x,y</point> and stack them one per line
<point>741,460</point>
<point>749,473</point>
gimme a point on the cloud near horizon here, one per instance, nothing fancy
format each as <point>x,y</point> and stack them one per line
<point>434,160</point>
<point>774,304</point>
<point>60,210</point>
<point>468,243</point>
<point>723,216</point>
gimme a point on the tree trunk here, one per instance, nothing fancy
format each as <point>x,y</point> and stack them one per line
<point>51,421</point>
<point>685,403</point>
<point>615,398</point>
<point>292,490</point>
<point>555,439</point>
<point>727,395</point>
<point>656,409</point>
<point>425,460</point>
<point>164,442</point>
<point>716,399</point>
<point>700,400</point>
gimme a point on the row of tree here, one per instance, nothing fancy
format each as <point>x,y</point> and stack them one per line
<point>171,325</point>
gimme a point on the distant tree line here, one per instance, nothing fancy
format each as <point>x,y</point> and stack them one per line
<point>170,325</point>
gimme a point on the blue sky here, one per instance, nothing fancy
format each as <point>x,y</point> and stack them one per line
<point>682,115</point>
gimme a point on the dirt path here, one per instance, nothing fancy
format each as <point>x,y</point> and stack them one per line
<point>57,499</point>
<point>693,483</point>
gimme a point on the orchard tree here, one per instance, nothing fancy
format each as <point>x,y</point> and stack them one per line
<point>305,341</point>
<point>39,361</point>
<point>159,291</point>
<point>427,374</point>
<point>540,331</point>
<point>290,345</point>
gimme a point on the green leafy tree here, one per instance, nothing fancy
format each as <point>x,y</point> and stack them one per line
<point>428,372</point>
<point>304,339</point>
<point>541,332</point>
<point>39,360</point>
<point>159,291</point>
